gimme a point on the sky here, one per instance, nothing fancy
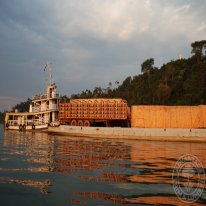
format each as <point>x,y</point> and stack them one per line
<point>89,43</point>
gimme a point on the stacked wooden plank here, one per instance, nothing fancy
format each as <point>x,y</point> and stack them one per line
<point>168,116</point>
<point>107,109</point>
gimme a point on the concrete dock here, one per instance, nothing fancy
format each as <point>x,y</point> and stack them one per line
<point>152,134</point>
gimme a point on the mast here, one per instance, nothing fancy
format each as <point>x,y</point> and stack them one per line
<point>50,76</point>
<point>51,80</point>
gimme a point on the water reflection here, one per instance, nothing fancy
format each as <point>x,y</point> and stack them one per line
<point>36,148</point>
<point>104,171</point>
<point>86,154</point>
<point>43,186</point>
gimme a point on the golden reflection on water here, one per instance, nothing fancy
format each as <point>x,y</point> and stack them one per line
<point>87,154</point>
<point>37,148</point>
<point>159,200</point>
<point>140,162</point>
<point>119,199</point>
<point>43,186</point>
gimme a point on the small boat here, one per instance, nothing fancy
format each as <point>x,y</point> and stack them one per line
<point>43,111</point>
<point>24,121</point>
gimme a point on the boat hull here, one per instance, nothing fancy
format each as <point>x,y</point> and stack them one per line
<point>29,127</point>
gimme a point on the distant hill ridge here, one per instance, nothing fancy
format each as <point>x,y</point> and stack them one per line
<point>178,82</point>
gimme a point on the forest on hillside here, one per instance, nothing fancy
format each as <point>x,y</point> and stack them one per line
<point>178,82</point>
<point>1,117</point>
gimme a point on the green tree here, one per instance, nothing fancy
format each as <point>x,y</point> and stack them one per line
<point>23,106</point>
<point>198,48</point>
<point>178,82</point>
<point>147,65</point>
<point>2,117</point>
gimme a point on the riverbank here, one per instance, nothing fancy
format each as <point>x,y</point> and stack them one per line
<point>152,134</point>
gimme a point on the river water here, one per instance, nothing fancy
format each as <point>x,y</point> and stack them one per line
<point>41,169</point>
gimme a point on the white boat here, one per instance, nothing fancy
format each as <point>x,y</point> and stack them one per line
<point>43,111</point>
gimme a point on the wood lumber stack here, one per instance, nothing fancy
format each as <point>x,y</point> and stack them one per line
<point>168,116</point>
<point>108,109</point>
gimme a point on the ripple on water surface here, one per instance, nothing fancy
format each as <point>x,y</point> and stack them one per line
<point>40,169</point>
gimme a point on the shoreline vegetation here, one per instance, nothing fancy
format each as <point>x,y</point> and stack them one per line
<point>2,117</point>
<point>177,82</point>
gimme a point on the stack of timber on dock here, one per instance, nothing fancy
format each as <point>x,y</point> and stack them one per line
<point>168,116</point>
<point>84,112</point>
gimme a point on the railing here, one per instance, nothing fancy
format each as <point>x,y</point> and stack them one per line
<point>36,109</point>
<point>13,122</point>
<point>45,96</point>
<point>39,96</point>
<point>27,122</point>
<point>39,121</point>
<point>44,108</point>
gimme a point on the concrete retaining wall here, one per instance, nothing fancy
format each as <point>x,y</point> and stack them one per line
<point>195,135</point>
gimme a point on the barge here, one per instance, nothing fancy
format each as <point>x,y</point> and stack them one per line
<point>149,134</point>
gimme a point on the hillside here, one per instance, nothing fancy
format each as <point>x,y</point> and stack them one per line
<point>179,82</point>
<point>1,117</point>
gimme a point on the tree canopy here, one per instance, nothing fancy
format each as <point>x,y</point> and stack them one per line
<point>1,117</point>
<point>147,65</point>
<point>199,49</point>
<point>178,82</point>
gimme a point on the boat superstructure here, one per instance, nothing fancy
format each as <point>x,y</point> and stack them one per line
<point>43,110</point>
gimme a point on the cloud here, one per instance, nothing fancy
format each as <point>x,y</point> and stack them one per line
<point>91,42</point>
<point>120,20</point>
<point>108,20</point>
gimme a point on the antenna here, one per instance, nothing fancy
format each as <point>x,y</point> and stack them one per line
<point>51,80</point>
